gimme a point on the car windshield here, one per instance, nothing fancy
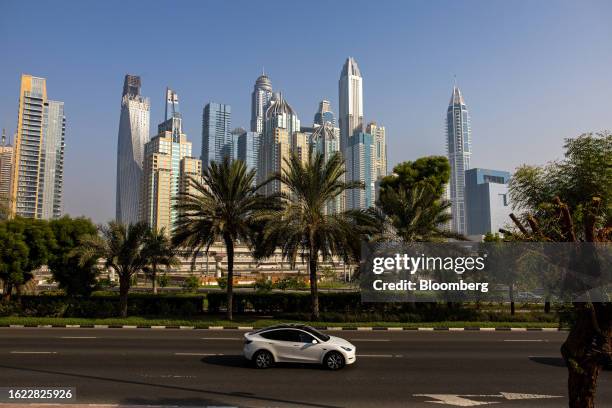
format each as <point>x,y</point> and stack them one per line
<point>316,333</point>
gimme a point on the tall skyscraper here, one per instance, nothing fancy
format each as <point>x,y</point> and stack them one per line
<point>6,168</point>
<point>216,133</point>
<point>260,98</point>
<point>248,148</point>
<point>276,145</point>
<point>380,149</point>
<point>361,166</point>
<point>37,180</point>
<point>325,114</point>
<point>325,139</point>
<point>351,102</point>
<point>486,200</point>
<point>168,167</point>
<point>133,134</point>
<point>458,143</point>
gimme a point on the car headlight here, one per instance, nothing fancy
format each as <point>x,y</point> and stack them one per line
<point>346,348</point>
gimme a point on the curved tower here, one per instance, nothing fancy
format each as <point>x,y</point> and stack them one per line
<point>133,134</point>
<point>260,98</point>
<point>351,102</point>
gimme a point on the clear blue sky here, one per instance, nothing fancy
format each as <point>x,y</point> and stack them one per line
<point>532,72</point>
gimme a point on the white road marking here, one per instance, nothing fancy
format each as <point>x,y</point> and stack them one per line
<point>463,400</point>
<point>375,355</point>
<point>33,352</point>
<point>220,338</point>
<point>78,337</point>
<point>198,354</point>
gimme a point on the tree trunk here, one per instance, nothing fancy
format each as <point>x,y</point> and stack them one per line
<point>8,289</point>
<point>124,288</point>
<point>229,247</point>
<point>547,304</point>
<point>511,293</point>
<point>154,276</point>
<point>586,351</point>
<point>314,296</point>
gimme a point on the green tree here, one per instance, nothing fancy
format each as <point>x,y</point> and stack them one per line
<point>74,277</point>
<point>569,201</point>
<point>302,226</point>
<point>224,206</point>
<point>159,251</point>
<point>432,170</point>
<point>122,249</point>
<point>27,244</point>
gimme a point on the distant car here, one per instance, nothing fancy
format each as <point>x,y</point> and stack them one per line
<point>297,344</point>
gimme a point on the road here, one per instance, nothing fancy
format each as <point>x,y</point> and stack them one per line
<point>204,368</point>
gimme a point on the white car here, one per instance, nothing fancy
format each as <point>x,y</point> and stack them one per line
<point>297,344</point>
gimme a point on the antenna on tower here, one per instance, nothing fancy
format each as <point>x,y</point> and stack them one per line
<point>263,70</point>
<point>455,80</point>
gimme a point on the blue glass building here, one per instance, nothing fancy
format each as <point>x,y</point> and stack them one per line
<point>216,133</point>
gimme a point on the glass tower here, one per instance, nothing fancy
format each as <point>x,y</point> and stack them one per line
<point>216,133</point>
<point>458,144</point>
<point>133,134</point>
<point>351,102</point>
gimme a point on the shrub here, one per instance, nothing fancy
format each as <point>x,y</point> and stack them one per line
<point>290,282</point>
<point>263,285</point>
<point>163,280</point>
<point>222,282</point>
<point>191,283</point>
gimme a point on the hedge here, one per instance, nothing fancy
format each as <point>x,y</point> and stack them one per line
<point>103,306</point>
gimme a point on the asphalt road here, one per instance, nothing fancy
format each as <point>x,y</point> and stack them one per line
<point>205,368</point>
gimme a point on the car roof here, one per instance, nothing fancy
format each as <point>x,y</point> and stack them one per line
<point>283,326</point>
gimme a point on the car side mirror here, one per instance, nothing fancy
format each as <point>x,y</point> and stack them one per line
<point>314,341</point>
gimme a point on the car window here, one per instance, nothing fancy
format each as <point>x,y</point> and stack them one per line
<point>281,335</point>
<point>305,337</point>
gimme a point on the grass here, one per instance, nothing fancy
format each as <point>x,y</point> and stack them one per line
<point>247,321</point>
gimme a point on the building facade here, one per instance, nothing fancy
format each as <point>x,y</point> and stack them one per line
<point>325,140</point>
<point>276,145</point>
<point>361,166</point>
<point>38,156</point>
<point>351,102</point>
<point>325,114</point>
<point>133,134</point>
<point>248,149</point>
<point>168,169</point>
<point>260,98</point>
<point>6,169</point>
<point>459,149</point>
<point>487,201</point>
<point>217,141</point>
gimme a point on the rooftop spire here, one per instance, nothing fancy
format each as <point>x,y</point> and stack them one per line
<point>3,137</point>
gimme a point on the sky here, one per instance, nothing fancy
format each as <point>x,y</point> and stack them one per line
<point>532,72</point>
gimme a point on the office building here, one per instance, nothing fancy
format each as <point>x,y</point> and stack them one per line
<point>351,102</point>
<point>361,166</point>
<point>325,140</point>
<point>458,143</point>
<point>260,99</point>
<point>487,201</point>
<point>133,134</point>
<point>248,148</point>
<point>168,169</point>
<point>216,133</point>
<point>38,171</point>
<point>281,122</point>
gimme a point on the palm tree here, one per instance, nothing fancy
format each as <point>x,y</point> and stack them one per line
<point>302,226</point>
<point>159,251</point>
<point>417,214</point>
<point>122,248</point>
<point>224,205</point>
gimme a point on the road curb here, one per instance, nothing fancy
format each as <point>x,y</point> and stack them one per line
<point>331,328</point>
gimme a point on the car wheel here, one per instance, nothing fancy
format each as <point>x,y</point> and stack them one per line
<point>263,359</point>
<point>333,360</point>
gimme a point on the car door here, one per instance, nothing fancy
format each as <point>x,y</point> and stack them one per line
<point>283,343</point>
<point>309,349</point>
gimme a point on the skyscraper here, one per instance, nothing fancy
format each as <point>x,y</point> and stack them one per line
<point>133,134</point>
<point>276,145</point>
<point>168,167</point>
<point>325,139</point>
<point>6,168</point>
<point>351,102</point>
<point>458,143</point>
<point>216,133</point>
<point>37,180</point>
<point>361,166</point>
<point>380,148</point>
<point>248,148</point>
<point>325,114</point>
<point>260,98</point>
